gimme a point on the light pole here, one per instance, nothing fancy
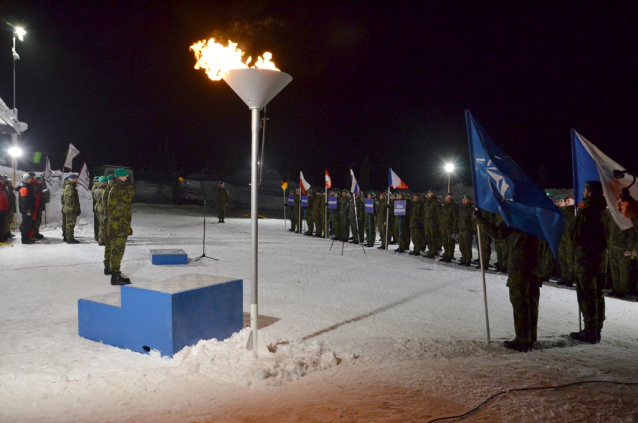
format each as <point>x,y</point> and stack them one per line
<point>449,168</point>
<point>20,33</point>
<point>15,152</point>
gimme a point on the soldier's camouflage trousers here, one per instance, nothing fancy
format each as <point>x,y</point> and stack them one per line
<point>370,229</point>
<point>336,224</point>
<point>620,270</point>
<point>589,290</point>
<point>69,226</point>
<point>417,238</point>
<point>486,249</point>
<point>113,252</point>
<point>502,251</point>
<point>221,210</point>
<point>448,244</point>
<point>566,260</point>
<point>432,238</point>
<point>96,225</point>
<point>403,232</point>
<point>524,296</point>
<point>465,246</point>
<point>310,220</point>
<point>381,227</point>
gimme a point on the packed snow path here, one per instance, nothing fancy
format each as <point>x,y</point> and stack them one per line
<point>374,337</point>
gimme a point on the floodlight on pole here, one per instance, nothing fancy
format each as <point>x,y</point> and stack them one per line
<point>256,87</point>
<point>449,168</point>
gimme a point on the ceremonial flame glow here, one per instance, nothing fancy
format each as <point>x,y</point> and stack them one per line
<point>216,59</point>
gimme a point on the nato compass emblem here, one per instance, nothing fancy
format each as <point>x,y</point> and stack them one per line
<point>498,185</point>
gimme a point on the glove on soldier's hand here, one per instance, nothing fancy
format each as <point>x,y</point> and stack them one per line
<point>476,214</point>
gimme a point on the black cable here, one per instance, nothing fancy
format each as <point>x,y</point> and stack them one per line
<point>537,388</point>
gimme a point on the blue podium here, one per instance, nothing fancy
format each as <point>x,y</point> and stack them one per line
<point>164,315</point>
<point>169,257</point>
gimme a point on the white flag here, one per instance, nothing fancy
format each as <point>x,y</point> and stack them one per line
<point>47,171</point>
<point>305,186</point>
<point>84,178</point>
<point>70,155</point>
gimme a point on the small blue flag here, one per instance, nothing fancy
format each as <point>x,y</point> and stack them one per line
<point>501,186</point>
<point>583,165</point>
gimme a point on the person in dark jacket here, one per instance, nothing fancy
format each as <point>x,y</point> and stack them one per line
<point>524,279</point>
<point>26,203</point>
<point>588,237</point>
<point>4,209</point>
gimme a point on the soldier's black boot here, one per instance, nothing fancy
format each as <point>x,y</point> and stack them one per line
<point>72,241</point>
<point>107,271</point>
<point>587,335</point>
<point>117,279</point>
<point>517,345</point>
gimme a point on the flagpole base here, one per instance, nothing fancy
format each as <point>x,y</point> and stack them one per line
<point>262,348</point>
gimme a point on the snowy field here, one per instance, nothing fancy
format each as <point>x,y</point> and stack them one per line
<point>359,337</point>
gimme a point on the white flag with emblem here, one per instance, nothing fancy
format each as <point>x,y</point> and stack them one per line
<point>84,178</point>
<point>70,155</point>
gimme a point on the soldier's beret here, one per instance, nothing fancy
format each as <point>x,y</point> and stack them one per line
<point>103,179</point>
<point>72,176</point>
<point>431,191</point>
<point>96,178</point>
<point>121,172</point>
<point>110,177</point>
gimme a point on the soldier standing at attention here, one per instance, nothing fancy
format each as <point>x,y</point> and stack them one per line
<point>119,224</point>
<point>391,227</point>
<point>221,200</point>
<point>370,222</point>
<point>448,226</point>
<point>466,230</point>
<point>320,214</point>
<point>402,224</point>
<point>523,280</point>
<point>310,213</point>
<point>416,223</point>
<point>105,221</point>
<point>588,236</point>
<point>96,220</point>
<point>382,219</point>
<point>431,223</point>
<point>98,194</point>
<point>296,224</point>
<point>70,207</point>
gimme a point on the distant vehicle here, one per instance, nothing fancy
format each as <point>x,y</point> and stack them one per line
<point>109,169</point>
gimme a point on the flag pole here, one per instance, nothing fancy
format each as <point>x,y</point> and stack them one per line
<point>487,318</point>
<point>387,219</point>
<point>284,208</point>
<point>575,182</point>
<point>325,209</point>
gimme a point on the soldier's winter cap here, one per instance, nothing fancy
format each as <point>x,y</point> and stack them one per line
<point>26,177</point>
<point>121,172</point>
<point>103,179</point>
<point>110,177</point>
<point>595,187</point>
<point>71,176</point>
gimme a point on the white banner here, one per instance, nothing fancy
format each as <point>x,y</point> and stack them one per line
<point>70,155</point>
<point>84,178</point>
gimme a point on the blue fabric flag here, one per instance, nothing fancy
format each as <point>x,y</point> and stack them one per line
<point>583,165</point>
<point>501,186</point>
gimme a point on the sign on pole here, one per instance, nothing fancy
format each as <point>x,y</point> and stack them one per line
<point>369,205</point>
<point>399,208</point>
<point>304,201</point>
<point>332,202</point>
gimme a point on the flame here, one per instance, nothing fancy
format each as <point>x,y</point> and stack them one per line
<point>216,59</point>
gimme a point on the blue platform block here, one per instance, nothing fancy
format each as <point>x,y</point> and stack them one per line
<point>164,315</point>
<point>169,257</point>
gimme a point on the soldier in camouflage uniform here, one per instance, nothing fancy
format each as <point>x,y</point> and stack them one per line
<point>524,280</point>
<point>98,193</point>
<point>382,218</point>
<point>501,246</point>
<point>620,244</point>
<point>588,236</point>
<point>344,212</point>
<point>70,207</point>
<point>448,226</point>
<point>296,226</point>
<point>416,224</point>
<point>566,248</point>
<point>96,219</point>
<point>361,215</point>
<point>310,213</point>
<point>402,225</point>
<point>486,240</point>
<point>221,200</point>
<point>118,225</point>
<point>320,214</point>
<point>370,223</point>
<point>336,217</point>
<point>431,223</point>
<point>392,235</point>
<point>466,230</point>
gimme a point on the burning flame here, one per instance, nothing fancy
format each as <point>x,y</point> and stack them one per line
<point>216,59</point>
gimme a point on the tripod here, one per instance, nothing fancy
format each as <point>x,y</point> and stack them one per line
<point>204,240</point>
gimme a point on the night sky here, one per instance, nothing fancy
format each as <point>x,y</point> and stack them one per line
<point>375,85</point>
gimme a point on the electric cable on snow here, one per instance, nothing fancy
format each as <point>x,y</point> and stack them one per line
<point>537,388</point>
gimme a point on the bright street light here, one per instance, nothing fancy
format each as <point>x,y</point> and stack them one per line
<point>15,152</point>
<point>20,33</point>
<point>449,168</point>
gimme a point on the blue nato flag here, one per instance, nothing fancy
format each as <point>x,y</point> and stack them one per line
<point>501,186</point>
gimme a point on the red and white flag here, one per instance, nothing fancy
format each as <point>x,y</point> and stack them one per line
<point>84,178</point>
<point>47,171</point>
<point>303,184</point>
<point>328,181</point>
<point>70,155</point>
<point>395,182</point>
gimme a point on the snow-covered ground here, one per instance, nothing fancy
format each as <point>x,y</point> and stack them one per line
<point>359,337</point>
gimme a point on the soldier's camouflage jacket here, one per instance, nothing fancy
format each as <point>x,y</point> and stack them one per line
<point>119,209</point>
<point>70,199</point>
